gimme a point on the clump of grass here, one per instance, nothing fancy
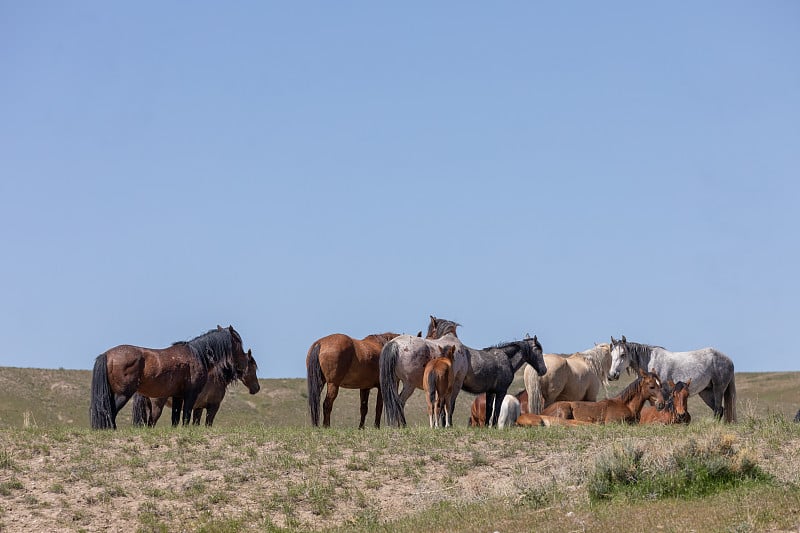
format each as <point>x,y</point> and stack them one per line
<point>699,469</point>
<point>7,486</point>
<point>6,460</point>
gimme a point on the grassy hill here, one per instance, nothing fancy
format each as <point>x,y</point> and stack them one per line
<point>262,468</point>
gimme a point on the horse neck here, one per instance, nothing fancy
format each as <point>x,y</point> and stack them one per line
<point>640,354</point>
<point>598,359</point>
<point>517,358</point>
<point>637,399</point>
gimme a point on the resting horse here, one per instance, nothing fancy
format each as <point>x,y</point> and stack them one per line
<point>477,415</point>
<point>623,408</point>
<point>674,411</point>
<point>710,370</point>
<point>180,372</point>
<point>148,410</point>
<point>575,377</point>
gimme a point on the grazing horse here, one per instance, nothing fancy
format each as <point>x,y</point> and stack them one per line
<point>623,408</point>
<point>575,377</point>
<point>477,415</point>
<point>342,361</point>
<point>710,370</point>
<point>674,411</point>
<point>437,380</point>
<point>180,372</point>
<point>492,370</point>
<point>403,359</point>
<point>148,410</point>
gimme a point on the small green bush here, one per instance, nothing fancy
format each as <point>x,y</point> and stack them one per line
<point>696,470</point>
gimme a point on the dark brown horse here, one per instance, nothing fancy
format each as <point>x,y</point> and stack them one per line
<point>623,408</point>
<point>342,361</point>
<point>148,410</point>
<point>477,415</point>
<point>674,412</point>
<point>179,372</point>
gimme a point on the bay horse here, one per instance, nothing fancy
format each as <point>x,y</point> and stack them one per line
<point>403,359</point>
<point>492,370</point>
<point>710,370</point>
<point>437,380</point>
<point>574,377</point>
<point>477,415</point>
<point>179,371</point>
<point>623,408</point>
<point>675,409</point>
<point>342,361</point>
<point>147,411</point>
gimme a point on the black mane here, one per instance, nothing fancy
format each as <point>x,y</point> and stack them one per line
<point>214,348</point>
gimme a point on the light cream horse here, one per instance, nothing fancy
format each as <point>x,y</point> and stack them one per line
<point>575,377</point>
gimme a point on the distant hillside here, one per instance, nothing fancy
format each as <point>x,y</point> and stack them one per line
<point>47,398</point>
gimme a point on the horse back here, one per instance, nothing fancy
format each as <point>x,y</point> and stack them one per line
<point>701,366</point>
<point>153,372</point>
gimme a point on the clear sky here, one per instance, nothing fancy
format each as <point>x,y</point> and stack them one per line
<point>574,170</point>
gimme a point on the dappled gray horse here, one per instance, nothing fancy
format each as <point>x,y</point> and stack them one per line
<point>492,370</point>
<point>710,370</point>
<point>404,358</point>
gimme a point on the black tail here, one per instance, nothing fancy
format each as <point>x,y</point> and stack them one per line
<point>140,410</point>
<point>102,411</point>
<point>391,400</point>
<point>315,381</point>
<point>730,401</point>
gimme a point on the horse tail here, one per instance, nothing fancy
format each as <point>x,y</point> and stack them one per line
<point>315,381</point>
<point>388,379</point>
<point>139,409</point>
<point>101,408</point>
<point>729,401</point>
<point>534,387</point>
<point>432,387</point>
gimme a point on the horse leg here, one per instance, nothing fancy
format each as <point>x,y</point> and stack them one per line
<point>211,413</point>
<point>491,414</point>
<point>177,407</point>
<point>378,409</point>
<point>499,396</point>
<point>119,402</point>
<point>327,405</point>
<point>364,406</point>
<point>405,394</point>
<point>197,414</point>
<point>713,400</point>
<point>189,399</point>
<point>156,409</point>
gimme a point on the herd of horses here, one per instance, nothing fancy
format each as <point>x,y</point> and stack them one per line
<point>560,389</point>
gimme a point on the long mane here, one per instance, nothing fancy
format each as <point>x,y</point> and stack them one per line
<point>214,348</point>
<point>599,361</point>
<point>639,354</point>
<point>441,328</point>
<point>523,346</point>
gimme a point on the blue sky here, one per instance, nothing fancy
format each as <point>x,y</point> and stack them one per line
<point>571,170</point>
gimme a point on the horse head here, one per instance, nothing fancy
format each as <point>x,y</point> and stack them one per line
<point>650,386</point>
<point>620,358</point>
<point>240,358</point>
<point>536,357</point>
<point>679,398</point>
<point>249,378</point>
<point>439,327</point>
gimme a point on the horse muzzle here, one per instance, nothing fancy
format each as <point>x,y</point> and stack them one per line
<point>613,376</point>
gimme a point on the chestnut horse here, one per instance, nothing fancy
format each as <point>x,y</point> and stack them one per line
<point>623,408</point>
<point>437,380</point>
<point>674,411</point>
<point>180,372</point>
<point>342,361</point>
<point>148,410</point>
<point>477,415</point>
<point>575,377</point>
<point>533,420</point>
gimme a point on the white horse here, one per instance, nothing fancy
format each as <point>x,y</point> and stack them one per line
<point>710,370</point>
<point>509,412</point>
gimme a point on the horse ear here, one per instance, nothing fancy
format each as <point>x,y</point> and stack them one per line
<point>642,373</point>
<point>419,334</point>
<point>612,340</point>
<point>671,384</point>
<point>689,382</point>
<point>624,339</point>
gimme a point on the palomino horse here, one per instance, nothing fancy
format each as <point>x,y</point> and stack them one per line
<point>575,377</point>
<point>623,408</point>
<point>533,420</point>
<point>477,415</point>
<point>342,361</point>
<point>404,358</point>
<point>180,372</point>
<point>437,380</point>
<point>148,410</point>
<point>710,370</point>
<point>492,370</point>
<point>674,411</point>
